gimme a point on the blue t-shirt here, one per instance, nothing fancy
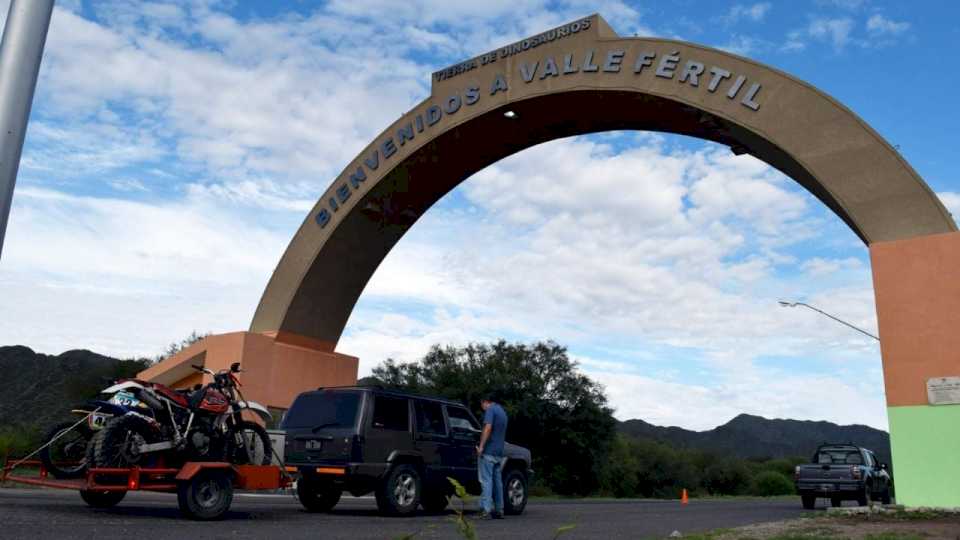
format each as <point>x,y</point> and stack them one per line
<point>497,418</point>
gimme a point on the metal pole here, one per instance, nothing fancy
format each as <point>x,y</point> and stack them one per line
<point>820,311</point>
<point>20,52</point>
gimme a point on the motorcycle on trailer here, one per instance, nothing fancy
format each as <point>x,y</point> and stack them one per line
<point>205,424</point>
<point>65,455</point>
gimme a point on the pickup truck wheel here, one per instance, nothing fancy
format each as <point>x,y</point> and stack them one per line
<point>809,501</point>
<point>836,502</point>
<point>316,495</point>
<point>514,492</point>
<point>863,498</point>
<point>399,493</point>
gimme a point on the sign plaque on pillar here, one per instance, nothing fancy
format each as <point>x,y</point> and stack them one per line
<point>943,391</point>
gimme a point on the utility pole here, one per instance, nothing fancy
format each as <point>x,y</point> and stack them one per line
<point>20,53</point>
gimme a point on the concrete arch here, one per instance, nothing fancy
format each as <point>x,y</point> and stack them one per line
<point>575,79</point>
<point>582,78</point>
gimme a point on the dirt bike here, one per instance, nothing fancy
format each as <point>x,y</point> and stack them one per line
<point>205,424</point>
<point>65,454</point>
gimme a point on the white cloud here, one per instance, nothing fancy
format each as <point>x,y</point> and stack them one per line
<point>880,25</point>
<point>761,392</point>
<point>589,260</point>
<point>754,12</point>
<point>835,31</point>
<point>851,5</point>
<point>744,45</point>
<point>952,201</point>
<point>818,266</point>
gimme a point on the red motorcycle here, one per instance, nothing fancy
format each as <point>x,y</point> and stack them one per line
<point>202,424</point>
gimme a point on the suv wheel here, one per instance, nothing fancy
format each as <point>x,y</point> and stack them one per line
<point>316,495</point>
<point>399,493</point>
<point>514,492</point>
<point>809,501</point>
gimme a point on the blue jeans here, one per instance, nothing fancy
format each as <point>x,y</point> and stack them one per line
<point>490,469</point>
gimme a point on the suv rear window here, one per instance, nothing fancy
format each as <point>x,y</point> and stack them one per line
<point>325,408</point>
<point>391,413</point>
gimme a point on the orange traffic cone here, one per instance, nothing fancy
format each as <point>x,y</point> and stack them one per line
<point>683,498</point>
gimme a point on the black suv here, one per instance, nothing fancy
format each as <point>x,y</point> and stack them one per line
<point>399,446</point>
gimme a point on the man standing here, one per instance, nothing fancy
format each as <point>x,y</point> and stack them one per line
<point>490,459</point>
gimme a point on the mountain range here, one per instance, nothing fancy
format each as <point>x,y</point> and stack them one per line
<point>749,436</point>
<point>38,390</point>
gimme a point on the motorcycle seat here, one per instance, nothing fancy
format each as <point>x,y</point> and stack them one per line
<point>173,395</point>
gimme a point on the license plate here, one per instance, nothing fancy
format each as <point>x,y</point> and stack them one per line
<point>96,421</point>
<point>124,399</point>
<point>826,487</point>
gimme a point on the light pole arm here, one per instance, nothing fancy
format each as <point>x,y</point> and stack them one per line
<point>841,321</point>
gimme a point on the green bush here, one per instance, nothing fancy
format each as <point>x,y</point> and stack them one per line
<point>770,483</point>
<point>18,441</point>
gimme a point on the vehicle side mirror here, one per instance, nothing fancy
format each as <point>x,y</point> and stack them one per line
<point>235,367</point>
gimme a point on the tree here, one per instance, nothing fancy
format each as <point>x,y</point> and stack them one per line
<point>770,483</point>
<point>178,346</point>
<point>557,412</point>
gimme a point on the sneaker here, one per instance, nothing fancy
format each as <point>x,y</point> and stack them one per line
<point>484,515</point>
<point>497,515</point>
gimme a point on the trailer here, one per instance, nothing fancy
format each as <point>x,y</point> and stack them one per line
<point>204,488</point>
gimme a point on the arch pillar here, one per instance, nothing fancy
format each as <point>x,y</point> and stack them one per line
<point>276,366</point>
<point>917,287</point>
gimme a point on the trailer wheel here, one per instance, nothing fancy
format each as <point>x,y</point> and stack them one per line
<point>206,496</point>
<point>102,499</point>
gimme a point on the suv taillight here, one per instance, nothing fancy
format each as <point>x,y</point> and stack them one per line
<point>855,472</point>
<point>796,473</point>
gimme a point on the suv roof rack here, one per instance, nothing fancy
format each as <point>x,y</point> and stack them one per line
<point>388,390</point>
<point>377,386</point>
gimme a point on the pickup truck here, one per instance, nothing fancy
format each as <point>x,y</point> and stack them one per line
<point>843,472</point>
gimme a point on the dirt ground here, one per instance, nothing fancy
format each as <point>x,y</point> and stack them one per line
<point>870,527</point>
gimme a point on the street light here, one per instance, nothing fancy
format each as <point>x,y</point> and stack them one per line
<point>820,311</point>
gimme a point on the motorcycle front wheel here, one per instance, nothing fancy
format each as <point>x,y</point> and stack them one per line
<point>66,457</point>
<point>118,444</point>
<point>249,444</point>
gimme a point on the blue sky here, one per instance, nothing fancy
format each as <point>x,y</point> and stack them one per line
<point>175,147</point>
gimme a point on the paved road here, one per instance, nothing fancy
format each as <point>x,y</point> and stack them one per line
<point>55,514</point>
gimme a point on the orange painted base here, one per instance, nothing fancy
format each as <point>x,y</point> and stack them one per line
<point>918,307</point>
<point>275,369</point>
